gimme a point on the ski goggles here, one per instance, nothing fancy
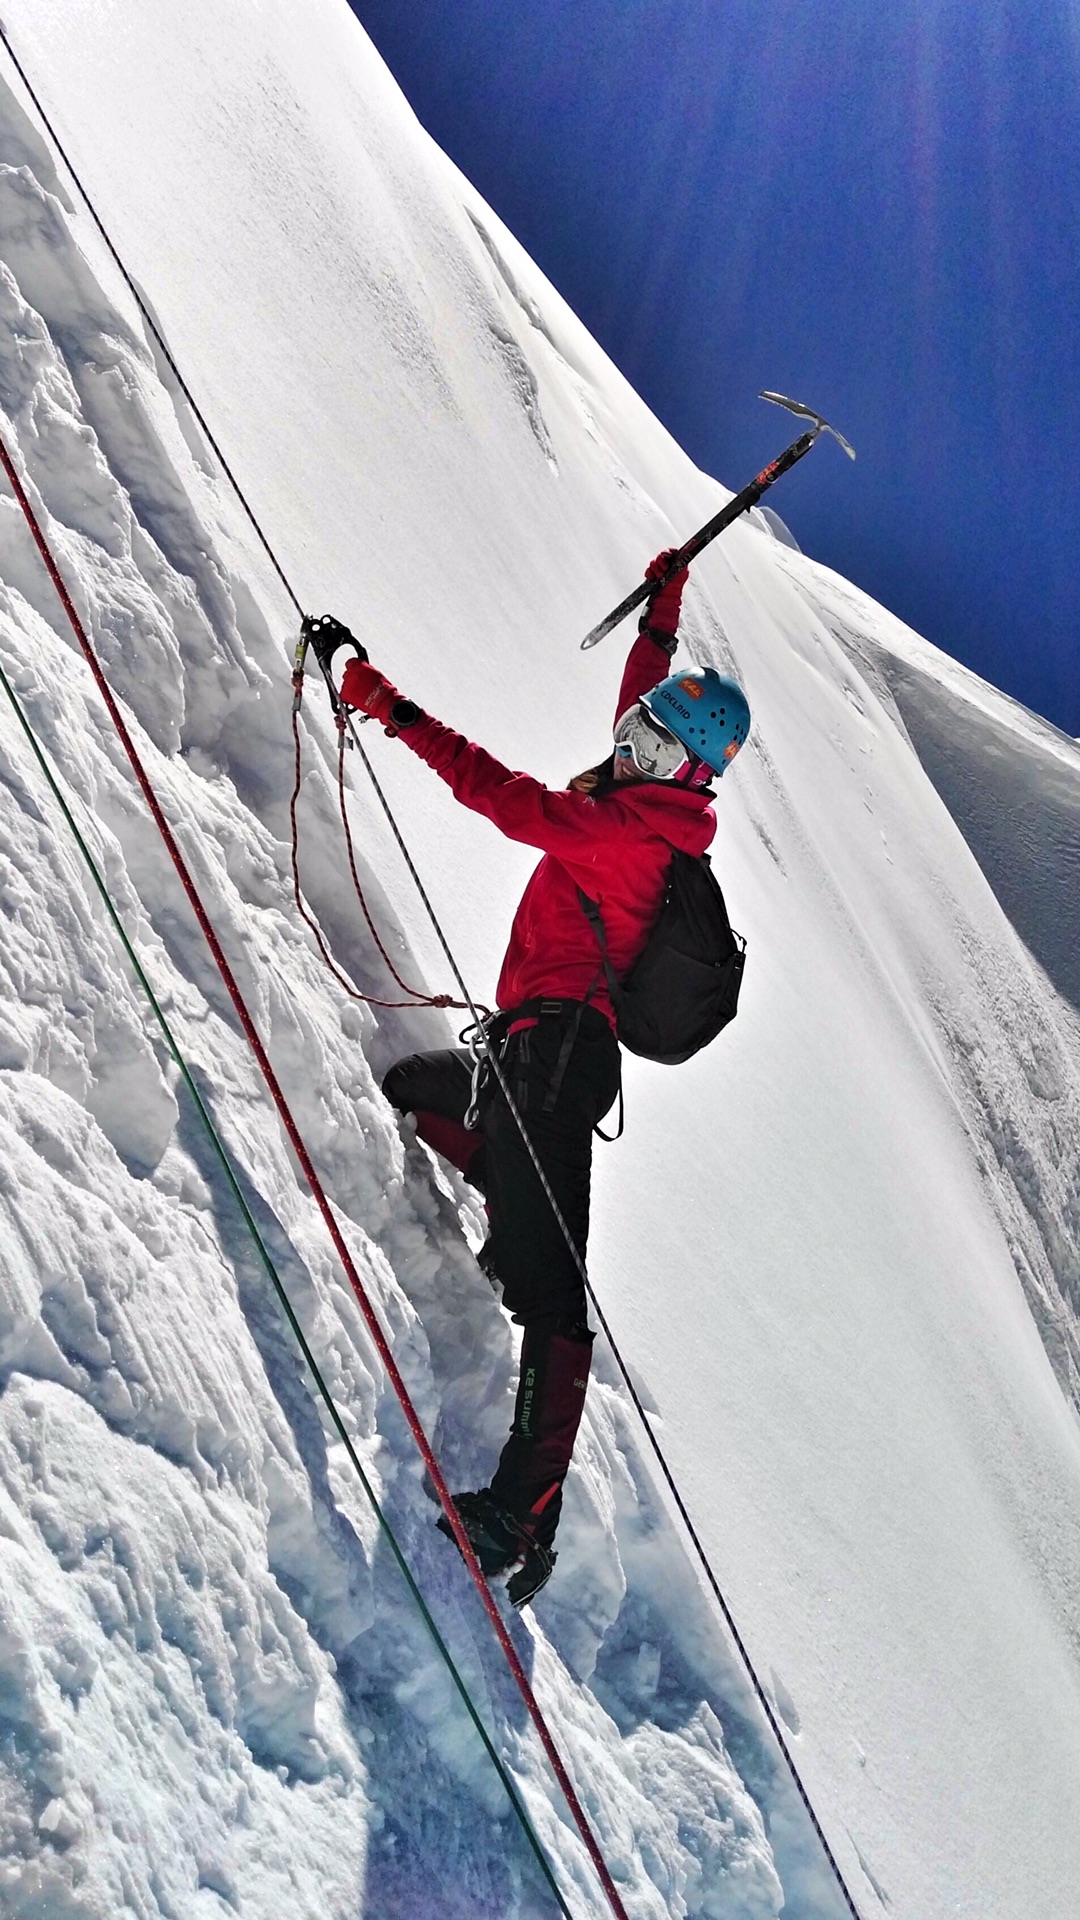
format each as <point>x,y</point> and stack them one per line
<point>655,752</point>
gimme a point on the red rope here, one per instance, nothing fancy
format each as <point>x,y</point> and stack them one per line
<point>418,999</point>
<point>429,1000</point>
<point>367,1309</point>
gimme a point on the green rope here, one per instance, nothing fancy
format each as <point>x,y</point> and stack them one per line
<point>279,1288</point>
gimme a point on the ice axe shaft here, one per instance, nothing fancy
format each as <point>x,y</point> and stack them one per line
<point>749,497</point>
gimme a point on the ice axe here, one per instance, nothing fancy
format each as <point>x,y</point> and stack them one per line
<point>749,497</point>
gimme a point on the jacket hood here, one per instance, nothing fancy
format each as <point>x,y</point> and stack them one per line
<point>683,818</point>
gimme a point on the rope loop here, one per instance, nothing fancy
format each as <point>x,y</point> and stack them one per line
<point>417,997</point>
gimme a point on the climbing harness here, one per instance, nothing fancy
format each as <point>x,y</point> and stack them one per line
<point>493,1035</point>
<point>738,505</point>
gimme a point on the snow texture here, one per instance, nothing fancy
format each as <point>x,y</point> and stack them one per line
<point>840,1250</point>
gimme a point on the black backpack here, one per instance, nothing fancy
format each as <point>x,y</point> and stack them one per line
<point>684,985</point>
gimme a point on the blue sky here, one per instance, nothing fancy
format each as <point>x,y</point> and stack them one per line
<point>874,208</point>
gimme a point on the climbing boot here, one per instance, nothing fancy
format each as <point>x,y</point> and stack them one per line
<point>501,1545</point>
<point>528,1482</point>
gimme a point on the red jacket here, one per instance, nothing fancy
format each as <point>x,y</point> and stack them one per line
<point>616,845</point>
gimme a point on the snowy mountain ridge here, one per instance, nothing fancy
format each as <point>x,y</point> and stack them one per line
<point>860,1331</point>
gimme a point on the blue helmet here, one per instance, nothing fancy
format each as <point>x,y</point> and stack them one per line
<point>706,711</point>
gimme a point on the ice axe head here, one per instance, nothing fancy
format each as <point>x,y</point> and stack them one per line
<point>807,413</point>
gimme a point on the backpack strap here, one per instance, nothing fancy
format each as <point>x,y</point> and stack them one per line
<point>608,1138</point>
<point>563,1061</point>
<point>591,910</point>
<point>592,913</point>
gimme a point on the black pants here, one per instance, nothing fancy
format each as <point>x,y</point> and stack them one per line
<point>526,1249</point>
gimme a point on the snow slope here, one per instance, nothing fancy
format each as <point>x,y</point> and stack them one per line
<point>840,1249</point>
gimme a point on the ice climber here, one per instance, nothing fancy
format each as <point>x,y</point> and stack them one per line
<point>611,833</point>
